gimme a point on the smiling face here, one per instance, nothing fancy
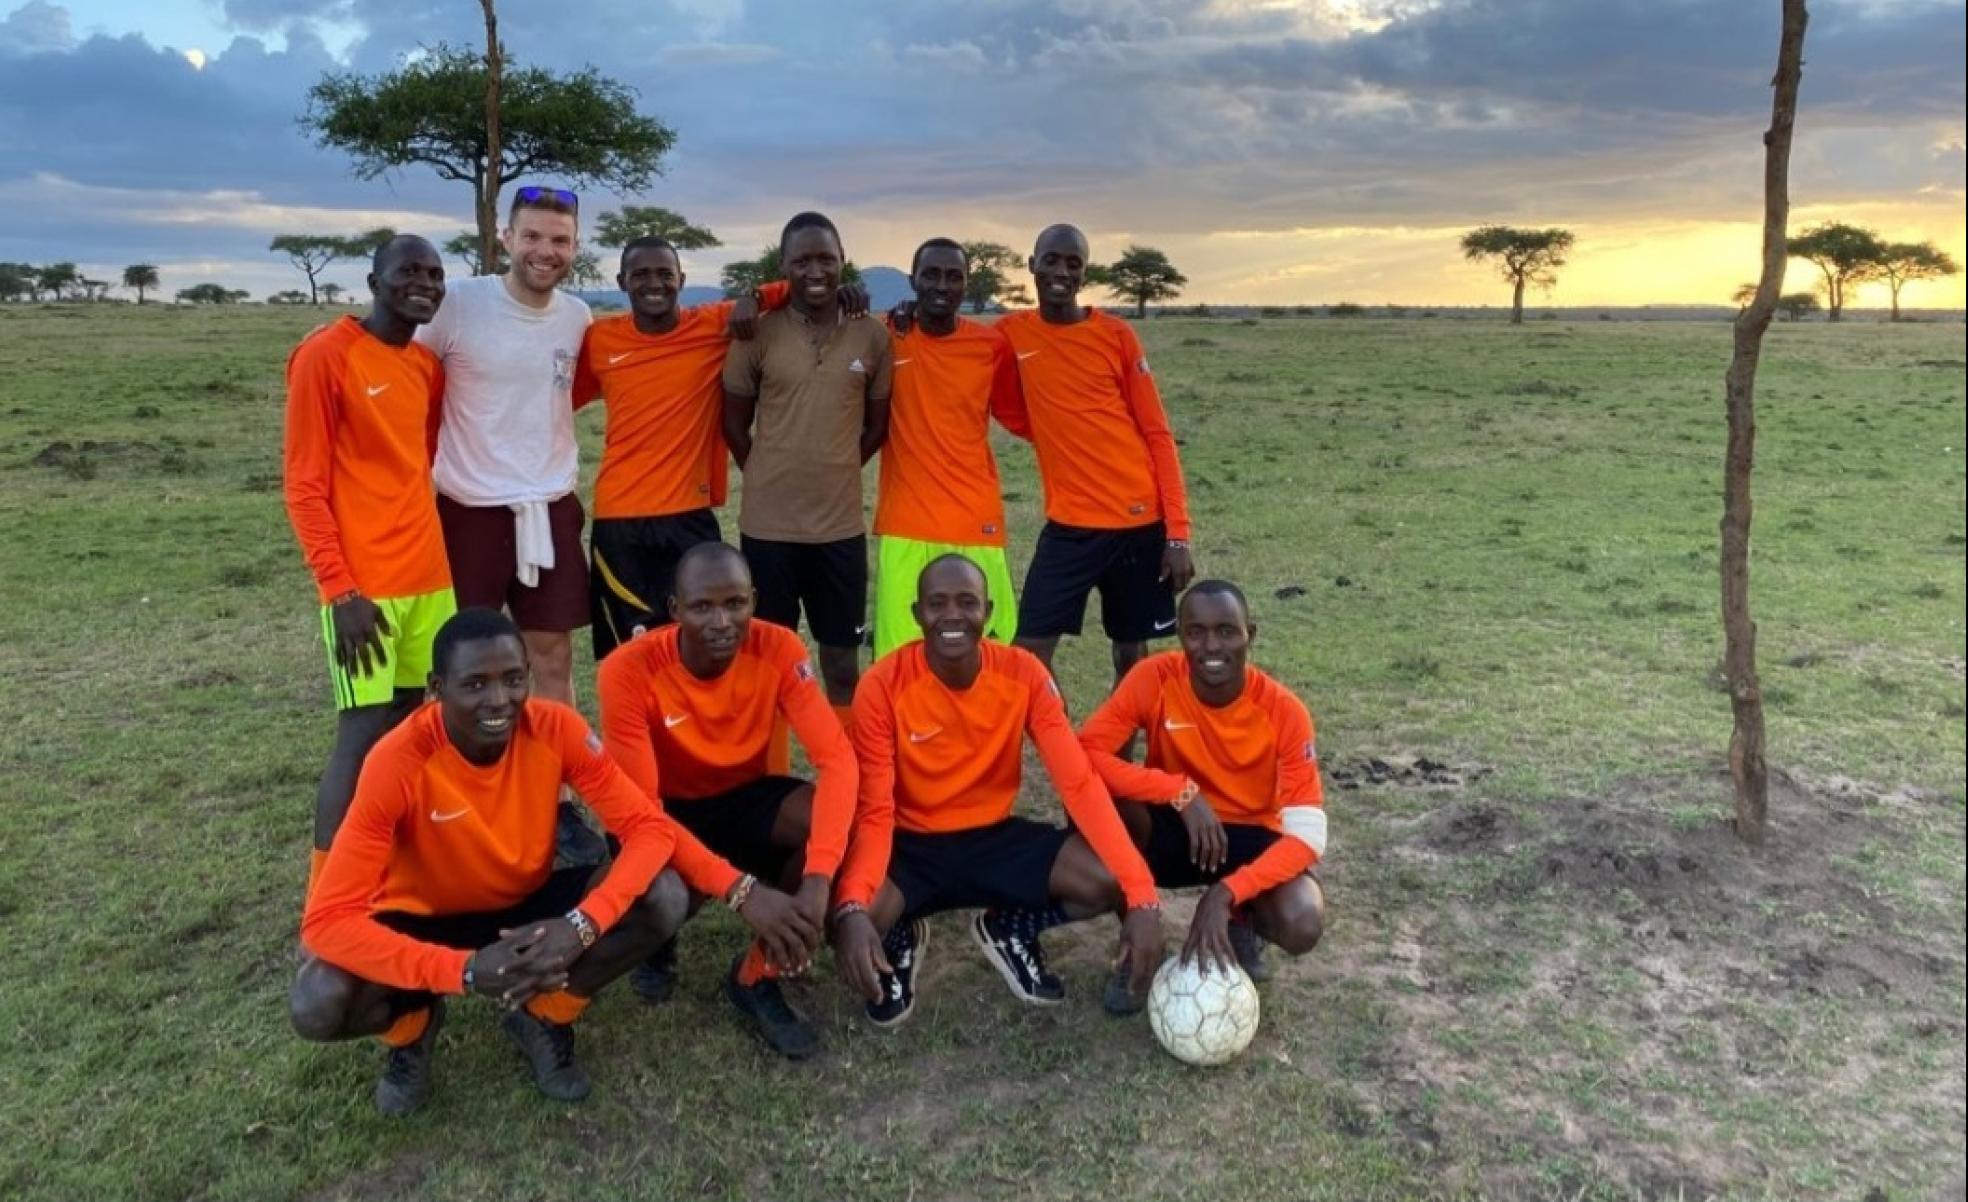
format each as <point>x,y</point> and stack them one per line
<point>812,262</point>
<point>939,282</point>
<point>953,604</point>
<point>1058,263</point>
<point>1216,635</point>
<point>653,279</point>
<point>540,245</point>
<point>409,281</point>
<point>481,692</point>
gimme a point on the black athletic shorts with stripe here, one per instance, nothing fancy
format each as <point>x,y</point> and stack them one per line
<point>633,565</point>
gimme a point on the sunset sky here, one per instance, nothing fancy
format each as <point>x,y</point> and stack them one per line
<point>1280,152</point>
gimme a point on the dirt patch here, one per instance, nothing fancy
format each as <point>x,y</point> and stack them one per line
<point>402,1177</point>
<point>1401,768</point>
<point>86,459</point>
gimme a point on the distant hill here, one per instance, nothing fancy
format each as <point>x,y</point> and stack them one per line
<point>887,287</point>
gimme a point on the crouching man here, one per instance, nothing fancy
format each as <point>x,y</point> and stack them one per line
<point>441,881</point>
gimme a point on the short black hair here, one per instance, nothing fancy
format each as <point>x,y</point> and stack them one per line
<point>473,625</point>
<point>702,552</point>
<point>649,242</point>
<point>1219,588</point>
<point>807,221</point>
<point>953,557</point>
<point>938,244</point>
<point>1062,227</point>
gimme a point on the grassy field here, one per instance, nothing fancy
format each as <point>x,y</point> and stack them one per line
<point>1485,555</point>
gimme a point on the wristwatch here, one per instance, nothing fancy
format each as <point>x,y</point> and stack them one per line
<point>584,927</point>
<point>470,978</point>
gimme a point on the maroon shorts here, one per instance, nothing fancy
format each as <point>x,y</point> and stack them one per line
<point>485,566</point>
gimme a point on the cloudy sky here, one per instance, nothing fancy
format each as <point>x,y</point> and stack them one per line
<point>1281,152</point>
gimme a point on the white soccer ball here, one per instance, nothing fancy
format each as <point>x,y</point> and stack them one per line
<point>1202,1017</point>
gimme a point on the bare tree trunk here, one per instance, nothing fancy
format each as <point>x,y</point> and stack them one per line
<point>1837,300</point>
<point>1746,753</point>
<point>1517,303</point>
<point>1896,299</point>
<point>488,190</point>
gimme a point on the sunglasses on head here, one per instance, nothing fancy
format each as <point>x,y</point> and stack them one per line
<point>531,195</point>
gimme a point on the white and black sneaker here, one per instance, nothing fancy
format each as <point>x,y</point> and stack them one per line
<point>1021,962</point>
<point>904,946</point>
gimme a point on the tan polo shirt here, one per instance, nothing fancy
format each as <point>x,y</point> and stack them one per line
<point>803,479</point>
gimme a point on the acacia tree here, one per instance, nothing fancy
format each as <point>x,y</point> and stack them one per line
<point>583,272</point>
<point>58,278</point>
<point>646,221</point>
<point>210,294</point>
<point>313,253</point>
<point>582,128</point>
<point>988,276</point>
<point>18,280</point>
<point>1141,274</point>
<point>1523,257</point>
<point>142,277</point>
<point>1796,306</point>
<point>1746,756</point>
<point>1844,254</point>
<point>466,246</point>
<point>332,292</point>
<point>1901,263</point>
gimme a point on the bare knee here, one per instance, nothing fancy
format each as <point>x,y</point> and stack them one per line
<point>1082,883</point>
<point>665,906</point>
<point>1299,929</point>
<point>318,1004</point>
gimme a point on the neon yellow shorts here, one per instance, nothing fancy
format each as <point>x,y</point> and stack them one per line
<point>899,561</point>
<point>406,649</point>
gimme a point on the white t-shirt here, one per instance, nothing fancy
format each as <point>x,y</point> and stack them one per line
<point>508,431</point>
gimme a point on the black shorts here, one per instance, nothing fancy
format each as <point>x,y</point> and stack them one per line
<point>1136,604</point>
<point>633,568</point>
<point>481,545</point>
<point>1008,864</point>
<point>737,824</point>
<point>469,932</point>
<point>1168,849</point>
<point>828,580</point>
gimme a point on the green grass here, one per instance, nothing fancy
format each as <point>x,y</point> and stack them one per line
<point>1505,544</point>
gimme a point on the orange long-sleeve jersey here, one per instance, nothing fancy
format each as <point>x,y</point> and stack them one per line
<point>429,832</point>
<point>663,450</point>
<point>1256,760</point>
<point>700,738</point>
<point>361,433</point>
<point>934,759</point>
<point>1106,454</point>
<point>939,480</point>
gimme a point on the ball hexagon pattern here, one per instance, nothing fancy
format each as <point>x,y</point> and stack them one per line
<point>1202,1017</point>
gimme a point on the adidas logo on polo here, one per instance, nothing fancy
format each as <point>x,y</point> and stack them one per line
<point>858,366</point>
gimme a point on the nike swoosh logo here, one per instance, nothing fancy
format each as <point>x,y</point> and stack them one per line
<point>378,389</point>
<point>1168,625</point>
<point>614,359</point>
<point>437,817</point>
<point>917,736</point>
<point>1172,724</point>
<point>1024,355</point>
<point>673,720</point>
<point>900,362</point>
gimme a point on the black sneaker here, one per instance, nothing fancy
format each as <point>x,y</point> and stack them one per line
<point>549,1051</point>
<point>1021,962</point>
<point>904,948</point>
<point>406,1081</point>
<point>783,1030</point>
<point>1249,947</point>
<point>576,845</point>
<point>655,978</point>
<point>1119,1000</point>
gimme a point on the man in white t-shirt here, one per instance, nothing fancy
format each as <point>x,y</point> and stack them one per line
<point>507,462</point>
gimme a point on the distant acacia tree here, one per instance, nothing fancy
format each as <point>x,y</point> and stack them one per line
<point>210,294</point>
<point>1901,263</point>
<point>291,296</point>
<point>332,293</point>
<point>1523,257</point>
<point>58,278</point>
<point>1143,274</point>
<point>313,253</point>
<point>94,291</point>
<point>1844,254</point>
<point>643,221</point>
<point>584,272</point>
<point>18,280</point>
<point>581,128</point>
<point>140,276</point>
<point>1743,294</point>
<point>1796,306</point>
<point>988,276</point>
<point>465,245</point>
<point>743,276</point>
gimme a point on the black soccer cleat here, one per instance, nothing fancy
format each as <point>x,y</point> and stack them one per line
<point>776,1022</point>
<point>406,1081</point>
<point>904,948</point>
<point>655,978</point>
<point>576,845</point>
<point>1249,946</point>
<point>549,1052</point>
<point>1021,962</point>
<point>1118,999</point>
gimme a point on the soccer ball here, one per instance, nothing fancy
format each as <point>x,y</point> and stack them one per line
<point>1202,1017</point>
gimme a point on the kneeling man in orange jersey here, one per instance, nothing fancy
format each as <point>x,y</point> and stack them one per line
<point>1230,795</point>
<point>441,880</point>
<point>940,726</point>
